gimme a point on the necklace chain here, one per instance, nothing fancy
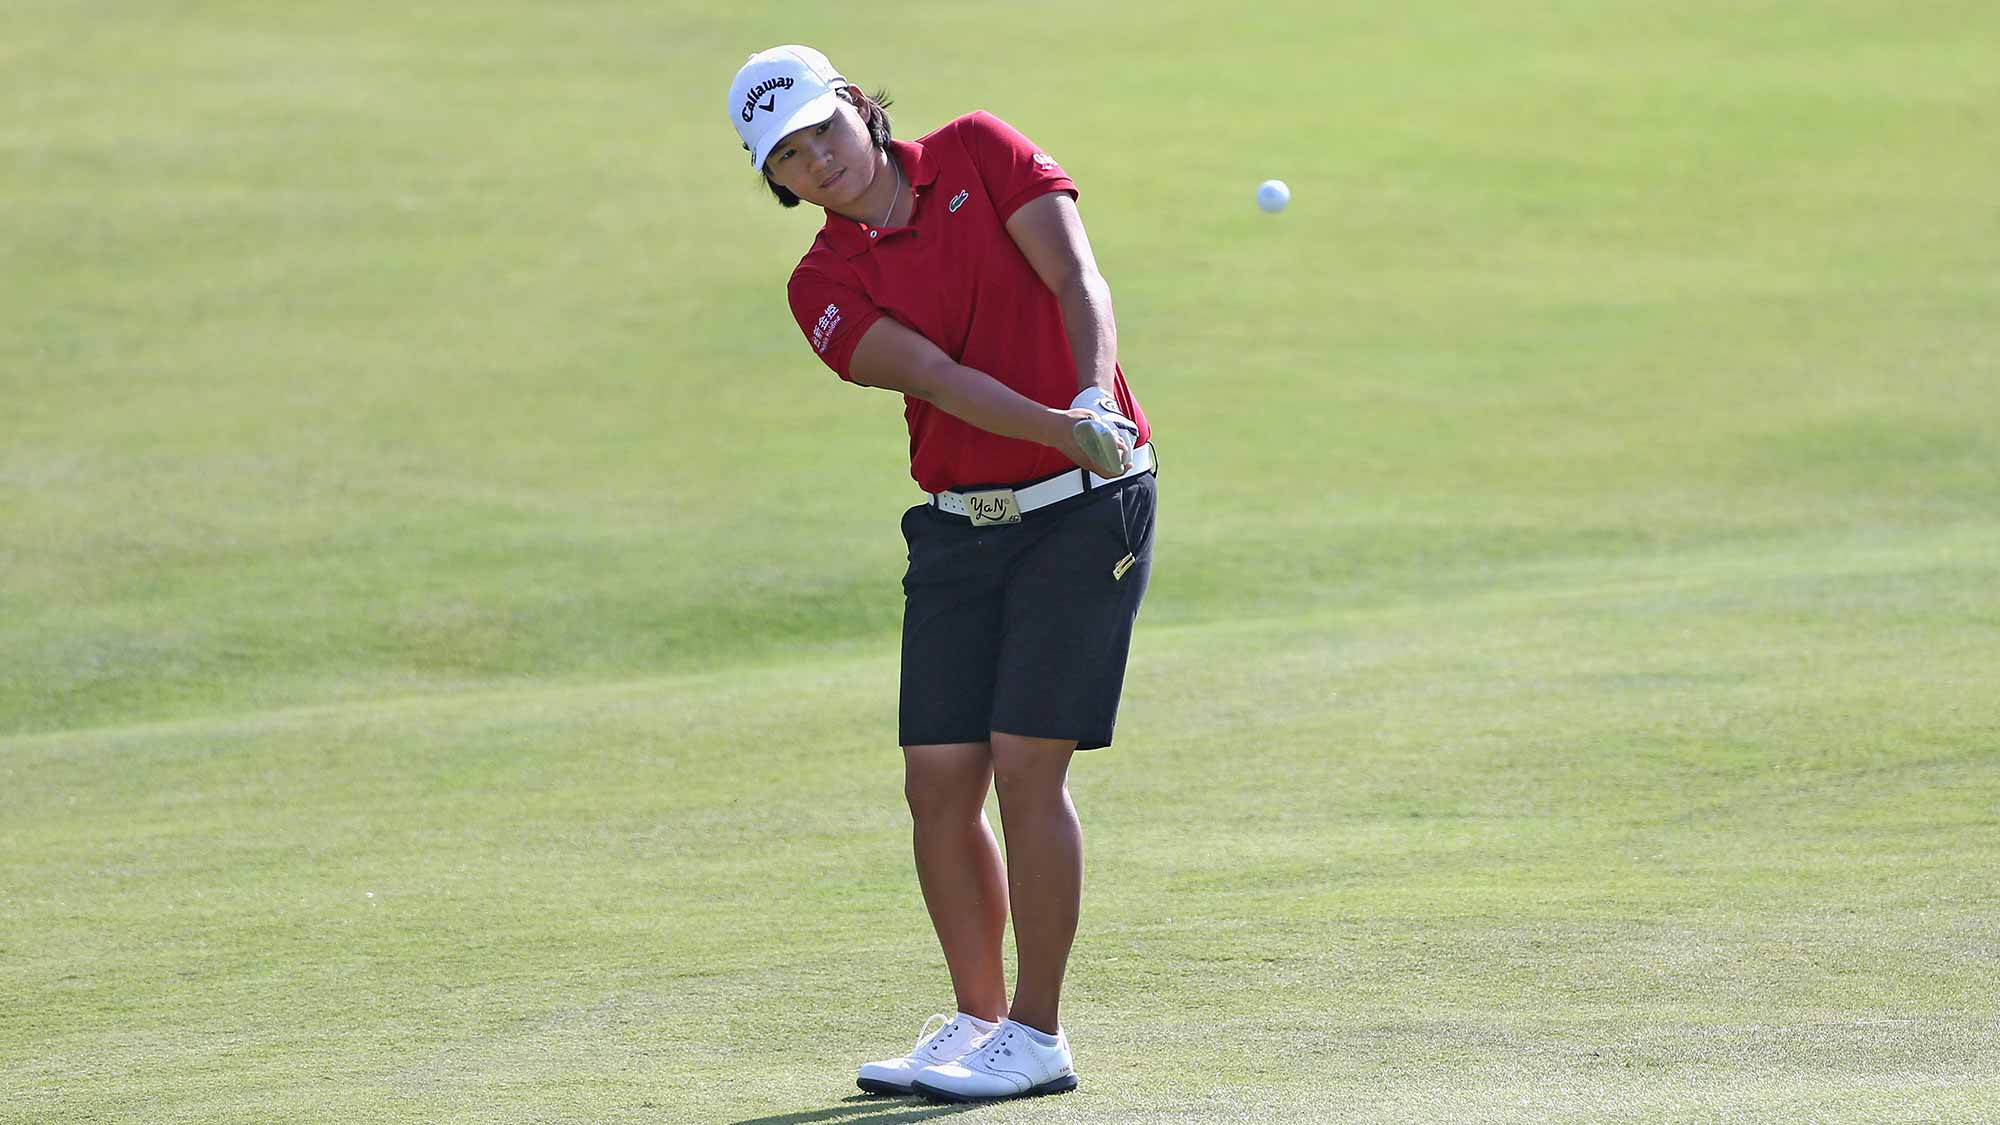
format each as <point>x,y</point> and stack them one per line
<point>895,198</point>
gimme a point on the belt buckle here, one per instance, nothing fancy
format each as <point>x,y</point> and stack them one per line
<point>993,506</point>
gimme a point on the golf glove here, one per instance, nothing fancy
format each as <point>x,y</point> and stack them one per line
<point>1110,437</point>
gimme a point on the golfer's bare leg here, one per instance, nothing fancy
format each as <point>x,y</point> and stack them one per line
<point>1044,867</point>
<point>960,869</point>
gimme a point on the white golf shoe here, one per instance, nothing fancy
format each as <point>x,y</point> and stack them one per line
<point>1009,1064</point>
<point>943,1039</point>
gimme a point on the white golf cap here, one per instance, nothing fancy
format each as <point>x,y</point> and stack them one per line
<point>781,90</point>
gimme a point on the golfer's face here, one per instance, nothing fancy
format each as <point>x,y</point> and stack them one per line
<point>829,164</point>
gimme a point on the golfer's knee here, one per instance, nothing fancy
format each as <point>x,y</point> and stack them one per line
<point>1030,771</point>
<point>1028,789</point>
<point>944,796</point>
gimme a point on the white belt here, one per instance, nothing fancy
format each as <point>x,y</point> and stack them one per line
<point>1007,505</point>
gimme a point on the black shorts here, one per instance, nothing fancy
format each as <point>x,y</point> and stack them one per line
<point>1023,628</point>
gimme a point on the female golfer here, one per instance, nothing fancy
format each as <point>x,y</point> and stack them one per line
<point>954,270</point>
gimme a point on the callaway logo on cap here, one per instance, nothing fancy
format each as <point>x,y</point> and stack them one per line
<point>780,91</point>
<point>751,105</point>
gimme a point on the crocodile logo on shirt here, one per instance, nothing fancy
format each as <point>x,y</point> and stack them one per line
<point>958,200</point>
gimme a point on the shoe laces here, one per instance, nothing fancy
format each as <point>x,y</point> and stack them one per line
<point>992,1044</point>
<point>929,1032</point>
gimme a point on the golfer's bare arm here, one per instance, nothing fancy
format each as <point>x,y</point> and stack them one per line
<point>895,357</point>
<point>1050,234</point>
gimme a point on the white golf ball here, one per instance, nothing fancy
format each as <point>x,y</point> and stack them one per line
<point>1272,195</point>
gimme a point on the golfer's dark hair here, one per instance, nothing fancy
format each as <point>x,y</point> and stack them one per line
<point>874,113</point>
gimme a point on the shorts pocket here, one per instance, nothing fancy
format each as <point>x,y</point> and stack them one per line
<point>1135,516</point>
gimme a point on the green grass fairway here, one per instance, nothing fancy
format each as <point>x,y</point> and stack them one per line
<point>448,617</point>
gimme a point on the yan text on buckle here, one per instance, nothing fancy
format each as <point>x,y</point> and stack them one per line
<point>995,506</point>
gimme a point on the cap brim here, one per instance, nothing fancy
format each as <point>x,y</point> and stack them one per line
<point>811,113</point>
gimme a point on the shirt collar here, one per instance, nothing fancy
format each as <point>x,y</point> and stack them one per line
<point>851,238</point>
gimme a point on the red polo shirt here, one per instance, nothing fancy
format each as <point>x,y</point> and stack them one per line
<point>955,276</point>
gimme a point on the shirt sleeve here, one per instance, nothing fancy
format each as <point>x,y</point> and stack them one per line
<point>1012,168</point>
<point>833,315</point>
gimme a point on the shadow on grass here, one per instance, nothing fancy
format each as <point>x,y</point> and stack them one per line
<point>863,1109</point>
